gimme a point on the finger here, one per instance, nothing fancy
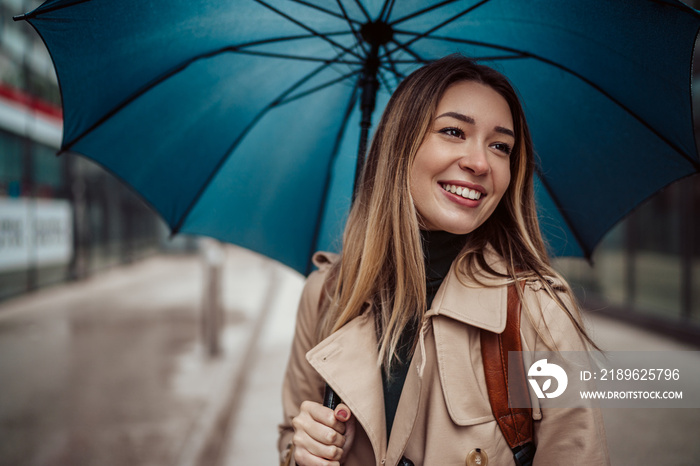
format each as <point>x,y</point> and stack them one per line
<point>304,458</point>
<point>342,413</point>
<point>349,438</point>
<point>319,432</point>
<point>303,441</point>
<point>324,434</point>
<point>325,416</point>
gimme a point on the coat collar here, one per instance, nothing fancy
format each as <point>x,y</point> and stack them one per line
<point>466,300</point>
<point>472,303</point>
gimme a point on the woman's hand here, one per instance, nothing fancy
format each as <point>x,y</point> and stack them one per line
<point>322,436</point>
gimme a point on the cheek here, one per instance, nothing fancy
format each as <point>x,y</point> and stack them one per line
<point>416,187</point>
<point>420,179</point>
<point>503,178</point>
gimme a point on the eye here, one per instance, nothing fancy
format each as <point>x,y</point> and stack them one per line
<point>503,147</point>
<point>452,131</point>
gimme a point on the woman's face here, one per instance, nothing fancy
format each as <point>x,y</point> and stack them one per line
<point>462,168</point>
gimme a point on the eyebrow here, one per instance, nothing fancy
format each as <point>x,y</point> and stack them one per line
<point>471,121</point>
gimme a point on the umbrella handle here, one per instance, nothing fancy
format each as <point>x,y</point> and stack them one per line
<point>330,398</point>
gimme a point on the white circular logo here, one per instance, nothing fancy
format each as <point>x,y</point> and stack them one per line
<point>542,369</point>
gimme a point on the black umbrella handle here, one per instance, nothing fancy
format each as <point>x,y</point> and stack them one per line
<point>330,398</point>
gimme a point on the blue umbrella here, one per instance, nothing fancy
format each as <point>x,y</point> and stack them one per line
<point>241,120</point>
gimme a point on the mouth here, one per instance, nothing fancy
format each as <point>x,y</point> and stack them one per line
<point>466,193</point>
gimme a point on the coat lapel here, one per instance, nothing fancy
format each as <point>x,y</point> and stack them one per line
<point>407,412</point>
<point>472,303</point>
<point>347,360</point>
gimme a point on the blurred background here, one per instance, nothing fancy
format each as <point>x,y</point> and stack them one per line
<point>122,345</point>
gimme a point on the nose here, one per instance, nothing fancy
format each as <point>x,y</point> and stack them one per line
<point>475,161</point>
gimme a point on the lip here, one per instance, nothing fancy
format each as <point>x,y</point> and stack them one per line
<point>462,201</point>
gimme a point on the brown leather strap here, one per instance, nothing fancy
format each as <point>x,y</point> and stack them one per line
<point>515,423</point>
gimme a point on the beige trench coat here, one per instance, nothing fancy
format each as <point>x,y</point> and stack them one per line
<point>444,411</point>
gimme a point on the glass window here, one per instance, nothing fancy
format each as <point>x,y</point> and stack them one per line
<point>657,260</point>
<point>10,164</point>
<point>48,171</point>
<point>610,266</point>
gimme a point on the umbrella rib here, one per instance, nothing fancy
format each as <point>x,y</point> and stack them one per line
<point>524,54</point>
<point>293,57</point>
<point>428,35</point>
<point>35,12</point>
<point>392,67</point>
<point>385,82</point>
<point>441,25</point>
<point>324,10</point>
<point>364,11</point>
<point>680,6</point>
<point>316,89</point>
<point>406,49</point>
<point>329,168</point>
<point>519,53</point>
<point>357,35</point>
<point>240,138</point>
<point>586,251</point>
<point>237,48</point>
<point>387,8</point>
<point>283,39</point>
<point>312,31</point>
<point>423,11</point>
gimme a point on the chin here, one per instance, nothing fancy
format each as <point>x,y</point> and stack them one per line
<point>455,229</point>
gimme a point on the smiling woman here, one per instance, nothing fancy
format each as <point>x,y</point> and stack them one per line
<point>443,225</point>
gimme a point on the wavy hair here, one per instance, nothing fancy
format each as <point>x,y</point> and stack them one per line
<point>382,262</point>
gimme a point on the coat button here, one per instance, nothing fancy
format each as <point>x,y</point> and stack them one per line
<point>477,457</point>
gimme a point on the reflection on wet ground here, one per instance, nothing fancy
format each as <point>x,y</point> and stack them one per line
<point>96,372</point>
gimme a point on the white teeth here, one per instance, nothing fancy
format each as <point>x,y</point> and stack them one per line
<point>461,191</point>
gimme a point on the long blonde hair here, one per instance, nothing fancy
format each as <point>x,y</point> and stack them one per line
<point>382,258</point>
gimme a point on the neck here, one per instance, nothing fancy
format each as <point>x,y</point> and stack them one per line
<point>440,249</point>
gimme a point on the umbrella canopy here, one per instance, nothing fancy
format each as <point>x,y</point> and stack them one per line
<point>241,120</point>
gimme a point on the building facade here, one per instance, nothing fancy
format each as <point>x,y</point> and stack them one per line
<point>60,217</point>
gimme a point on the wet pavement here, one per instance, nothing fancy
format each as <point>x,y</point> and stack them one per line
<point>75,372</point>
<point>112,371</point>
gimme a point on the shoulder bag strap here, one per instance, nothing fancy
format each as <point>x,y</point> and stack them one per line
<point>516,423</point>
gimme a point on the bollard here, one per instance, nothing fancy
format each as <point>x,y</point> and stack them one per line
<point>212,302</point>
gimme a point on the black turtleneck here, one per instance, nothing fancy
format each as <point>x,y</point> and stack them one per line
<point>440,249</point>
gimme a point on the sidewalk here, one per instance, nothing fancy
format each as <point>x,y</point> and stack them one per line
<point>111,371</point>
<point>665,436</point>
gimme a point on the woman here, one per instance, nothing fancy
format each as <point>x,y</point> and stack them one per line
<point>444,220</point>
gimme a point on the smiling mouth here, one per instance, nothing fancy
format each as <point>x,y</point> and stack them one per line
<point>462,191</point>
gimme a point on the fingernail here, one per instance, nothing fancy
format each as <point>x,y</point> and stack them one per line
<point>343,414</point>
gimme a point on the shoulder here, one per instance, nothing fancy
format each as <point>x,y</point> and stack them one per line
<point>323,261</point>
<point>551,318</point>
<point>308,313</point>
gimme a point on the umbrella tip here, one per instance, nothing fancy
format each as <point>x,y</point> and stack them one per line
<point>21,17</point>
